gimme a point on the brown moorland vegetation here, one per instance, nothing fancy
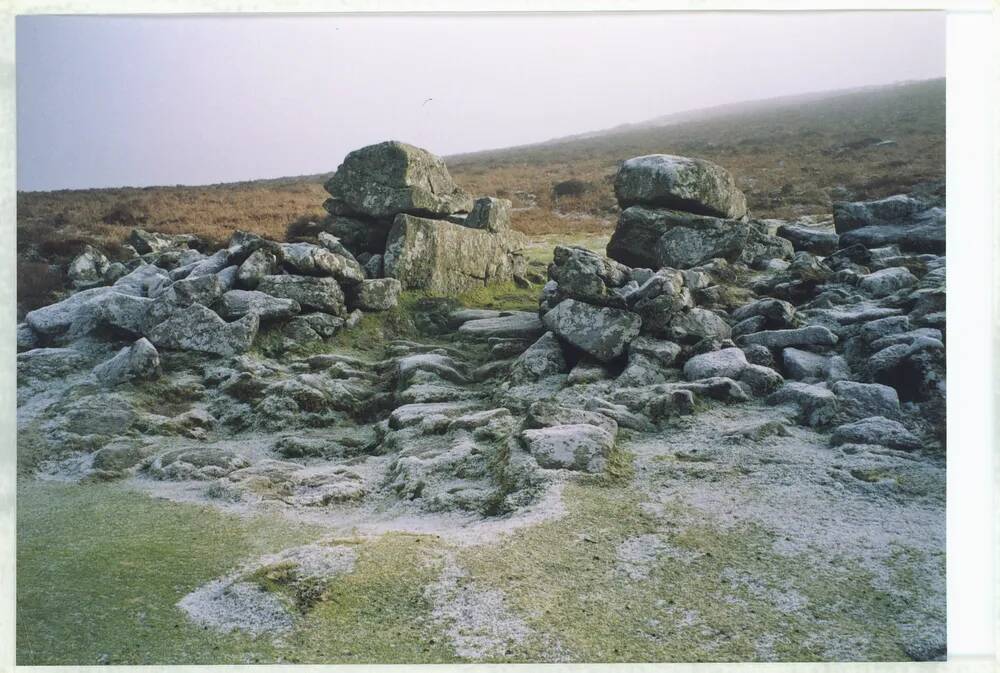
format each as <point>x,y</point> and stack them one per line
<point>792,156</point>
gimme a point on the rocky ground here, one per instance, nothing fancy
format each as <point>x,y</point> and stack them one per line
<point>724,440</point>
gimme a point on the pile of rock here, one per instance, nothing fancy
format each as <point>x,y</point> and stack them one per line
<point>913,223</point>
<point>679,212</point>
<point>852,342</point>
<point>396,207</point>
<point>178,298</point>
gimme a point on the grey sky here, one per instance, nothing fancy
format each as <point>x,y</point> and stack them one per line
<point>111,101</point>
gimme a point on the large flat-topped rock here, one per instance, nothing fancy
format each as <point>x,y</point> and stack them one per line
<point>447,258</point>
<point>652,238</point>
<point>680,183</point>
<point>389,178</point>
<point>850,215</point>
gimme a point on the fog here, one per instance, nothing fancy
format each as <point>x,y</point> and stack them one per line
<point>114,101</point>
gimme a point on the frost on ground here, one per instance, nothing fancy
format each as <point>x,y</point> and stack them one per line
<point>239,602</point>
<point>818,504</point>
<point>476,621</point>
<point>637,555</point>
<point>230,605</point>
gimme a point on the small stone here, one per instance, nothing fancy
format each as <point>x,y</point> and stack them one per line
<point>813,335</point>
<point>574,447</point>
<point>490,214</point>
<point>876,430</point>
<point>859,400</point>
<point>197,328</point>
<point>887,281</point>
<point>237,303</point>
<point>600,331</point>
<point>320,294</point>
<point>138,361</point>
<point>541,359</point>
<point>379,294</point>
<point>729,362</point>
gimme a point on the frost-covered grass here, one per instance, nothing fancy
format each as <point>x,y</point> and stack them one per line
<point>100,570</point>
<point>724,595</point>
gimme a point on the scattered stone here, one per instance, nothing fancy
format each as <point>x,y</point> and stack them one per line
<point>804,365</point>
<point>313,327</point>
<point>813,335</point>
<point>312,260</point>
<point>333,244</point>
<point>599,331</point>
<point>27,338</point>
<point>380,294</point>
<point>320,294</point>
<point>761,380</point>
<point>541,359</point>
<point>196,464</point>
<point>145,280</point>
<point>138,361</point>
<point>816,240</point>
<point>588,371</point>
<point>849,216</point>
<point>876,430</point>
<point>88,269</point>
<point>48,363</point>
<point>817,404</point>
<point>573,447</point>
<point>693,325</point>
<point>57,318</point>
<point>235,304</point>
<point>885,282</point>
<point>261,263</point>
<point>664,353</point>
<point>671,238</point>
<point>374,267</point>
<point>859,400</point>
<point>584,275</point>
<point>146,242</point>
<point>777,314</point>
<point>545,414</point>
<point>758,355</point>
<point>197,328</point>
<point>114,460</point>
<point>729,362</point>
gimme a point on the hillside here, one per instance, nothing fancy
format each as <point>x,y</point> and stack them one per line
<point>791,156</point>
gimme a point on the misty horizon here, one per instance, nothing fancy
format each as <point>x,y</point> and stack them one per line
<point>266,97</point>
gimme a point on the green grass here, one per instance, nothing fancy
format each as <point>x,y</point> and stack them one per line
<point>539,252</point>
<point>502,297</point>
<point>100,570</point>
